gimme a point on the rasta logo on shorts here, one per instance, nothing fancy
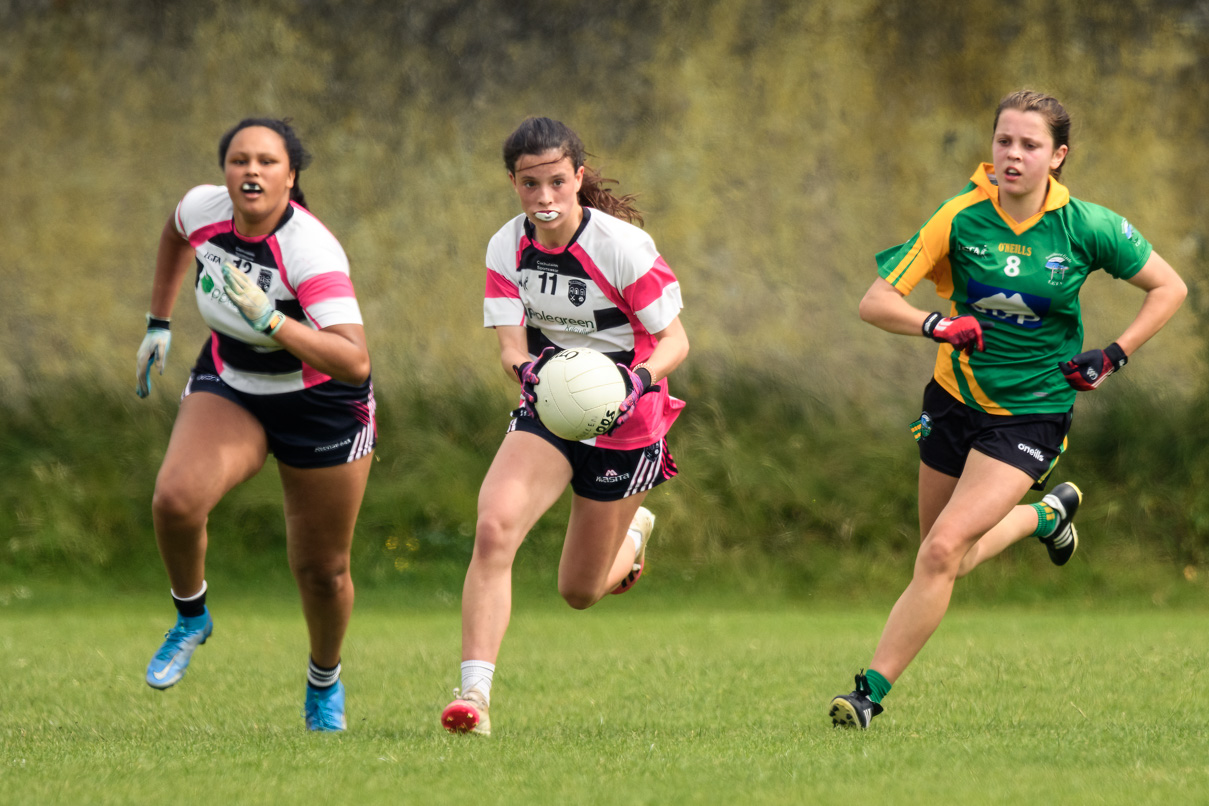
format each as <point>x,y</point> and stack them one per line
<point>921,428</point>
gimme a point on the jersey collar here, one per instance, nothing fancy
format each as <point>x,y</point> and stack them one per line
<point>1057,196</point>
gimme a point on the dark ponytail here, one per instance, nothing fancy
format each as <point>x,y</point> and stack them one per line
<point>299,157</point>
<point>539,135</point>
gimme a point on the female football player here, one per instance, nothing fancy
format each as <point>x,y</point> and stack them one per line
<point>285,371</point>
<point>1010,253</point>
<point>570,271</point>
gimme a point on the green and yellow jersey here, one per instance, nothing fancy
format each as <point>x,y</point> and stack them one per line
<point>1021,280</point>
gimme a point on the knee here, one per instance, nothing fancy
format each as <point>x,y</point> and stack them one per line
<point>323,579</point>
<point>495,540</point>
<point>940,555</point>
<point>578,598</point>
<point>177,505</point>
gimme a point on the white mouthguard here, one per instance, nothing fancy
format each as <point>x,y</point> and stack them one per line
<point>546,216</point>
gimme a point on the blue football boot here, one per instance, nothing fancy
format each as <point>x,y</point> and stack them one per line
<point>324,710</point>
<point>169,664</point>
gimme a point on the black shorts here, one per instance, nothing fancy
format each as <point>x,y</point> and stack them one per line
<point>326,425</point>
<point>606,474</point>
<point>948,429</point>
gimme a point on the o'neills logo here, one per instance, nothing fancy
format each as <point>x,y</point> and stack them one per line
<point>1033,452</point>
<point>1016,249</point>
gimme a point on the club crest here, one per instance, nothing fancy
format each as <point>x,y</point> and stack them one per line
<point>577,292</point>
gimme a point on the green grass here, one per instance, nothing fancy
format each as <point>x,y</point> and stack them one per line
<point>649,698</point>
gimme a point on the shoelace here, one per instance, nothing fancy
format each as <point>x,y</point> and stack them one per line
<point>173,639</point>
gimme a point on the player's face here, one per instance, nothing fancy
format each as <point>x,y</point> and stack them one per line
<point>548,187</point>
<point>258,178</point>
<point>1024,154</point>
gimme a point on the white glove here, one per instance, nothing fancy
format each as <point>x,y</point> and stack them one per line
<point>153,350</point>
<point>252,303</point>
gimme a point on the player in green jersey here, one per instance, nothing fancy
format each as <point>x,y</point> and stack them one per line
<point>1010,254</point>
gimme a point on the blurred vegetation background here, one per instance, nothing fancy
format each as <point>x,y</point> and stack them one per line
<point>775,147</point>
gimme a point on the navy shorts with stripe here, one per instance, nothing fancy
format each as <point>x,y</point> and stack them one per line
<point>326,425</point>
<point>606,474</point>
<point>1031,442</point>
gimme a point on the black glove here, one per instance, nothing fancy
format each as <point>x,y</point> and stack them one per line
<point>1088,370</point>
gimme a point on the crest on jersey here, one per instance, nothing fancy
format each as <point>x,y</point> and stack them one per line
<point>1057,264</point>
<point>577,292</point>
<point>264,279</point>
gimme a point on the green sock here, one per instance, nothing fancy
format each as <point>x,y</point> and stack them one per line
<point>1047,520</point>
<point>878,686</point>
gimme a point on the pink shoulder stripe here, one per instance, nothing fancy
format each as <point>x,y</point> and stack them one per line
<point>279,259</point>
<point>498,286</point>
<point>649,287</point>
<point>325,286</point>
<point>200,236</point>
<point>601,281</point>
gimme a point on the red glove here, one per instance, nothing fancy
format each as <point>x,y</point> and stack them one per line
<point>1088,370</point>
<point>963,332</point>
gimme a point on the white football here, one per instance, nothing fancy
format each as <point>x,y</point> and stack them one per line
<point>578,393</point>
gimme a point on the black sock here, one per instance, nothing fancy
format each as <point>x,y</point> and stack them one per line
<point>191,608</point>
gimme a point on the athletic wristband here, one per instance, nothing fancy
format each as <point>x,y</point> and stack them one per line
<point>644,375</point>
<point>1116,355</point>
<point>276,320</point>
<point>155,323</point>
<point>930,323</point>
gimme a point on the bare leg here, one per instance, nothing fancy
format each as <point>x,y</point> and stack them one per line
<point>321,506</point>
<point>526,477</point>
<point>986,492</point>
<point>935,489</point>
<point>596,554</point>
<point>1016,525</point>
<point>215,446</point>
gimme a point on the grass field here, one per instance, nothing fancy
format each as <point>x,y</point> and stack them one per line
<point>650,698</point>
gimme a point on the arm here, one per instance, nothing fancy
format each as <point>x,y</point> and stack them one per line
<point>669,352</point>
<point>1165,292</point>
<point>336,350</point>
<point>884,306</point>
<point>172,262</point>
<point>514,348</point>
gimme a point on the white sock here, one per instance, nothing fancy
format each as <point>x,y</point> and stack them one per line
<point>636,536</point>
<point>478,674</point>
<point>320,677</point>
<point>189,598</point>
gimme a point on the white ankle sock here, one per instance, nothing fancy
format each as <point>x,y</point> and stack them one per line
<point>478,674</point>
<point>636,536</point>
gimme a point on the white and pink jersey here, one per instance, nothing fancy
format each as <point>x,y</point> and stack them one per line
<point>300,266</point>
<point>608,289</point>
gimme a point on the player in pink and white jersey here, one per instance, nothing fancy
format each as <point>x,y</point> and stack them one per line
<point>285,371</point>
<point>571,271</point>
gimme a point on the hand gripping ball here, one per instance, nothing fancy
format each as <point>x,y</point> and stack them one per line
<point>579,393</point>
